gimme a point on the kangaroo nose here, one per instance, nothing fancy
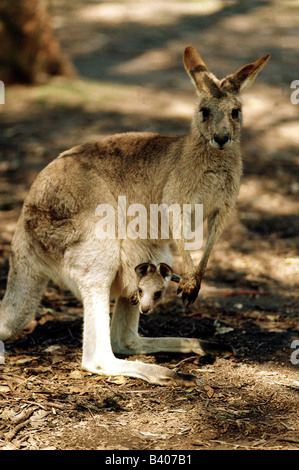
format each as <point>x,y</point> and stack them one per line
<point>221,139</point>
<point>145,309</point>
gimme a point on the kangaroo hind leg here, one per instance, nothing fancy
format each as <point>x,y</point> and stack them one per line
<point>98,356</point>
<point>25,286</point>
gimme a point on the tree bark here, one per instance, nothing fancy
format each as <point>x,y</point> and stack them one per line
<point>30,52</point>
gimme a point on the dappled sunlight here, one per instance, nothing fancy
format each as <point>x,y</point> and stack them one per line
<point>154,12</point>
<point>258,197</point>
<point>264,264</point>
<point>93,96</point>
<point>284,134</point>
<point>242,23</point>
<point>269,112</point>
<point>279,269</point>
<point>271,264</point>
<point>151,60</point>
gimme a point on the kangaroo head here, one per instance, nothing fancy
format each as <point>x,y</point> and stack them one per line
<point>152,283</point>
<point>219,114</point>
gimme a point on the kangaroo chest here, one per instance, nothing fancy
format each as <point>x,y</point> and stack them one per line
<point>218,189</point>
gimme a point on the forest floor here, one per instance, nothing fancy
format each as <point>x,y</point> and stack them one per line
<point>131,77</point>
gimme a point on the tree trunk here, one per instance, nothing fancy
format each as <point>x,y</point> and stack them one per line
<point>29,52</point>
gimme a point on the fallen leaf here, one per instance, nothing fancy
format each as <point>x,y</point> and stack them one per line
<point>117,379</point>
<point>75,374</point>
<point>37,419</point>
<point>53,347</point>
<point>39,369</point>
<point>76,389</point>
<point>221,329</point>
<point>199,443</point>
<point>209,390</point>
<point>153,435</point>
<point>25,359</point>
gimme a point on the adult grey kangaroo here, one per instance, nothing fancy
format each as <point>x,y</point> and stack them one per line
<point>56,236</point>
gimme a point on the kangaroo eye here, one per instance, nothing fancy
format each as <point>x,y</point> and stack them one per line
<point>157,295</point>
<point>236,113</point>
<point>205,113</point>
<point>139,291</point>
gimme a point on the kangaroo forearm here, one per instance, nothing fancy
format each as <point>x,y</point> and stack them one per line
<point>188,267</point>
<point>215,227</point>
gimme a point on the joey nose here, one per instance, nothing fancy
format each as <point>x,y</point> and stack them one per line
<point>145,309</point>
<point>221,139</point>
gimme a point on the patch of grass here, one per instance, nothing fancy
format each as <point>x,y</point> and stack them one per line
<point>68,93</point>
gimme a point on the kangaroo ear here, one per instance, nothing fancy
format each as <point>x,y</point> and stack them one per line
<point>246,75</point>
<point>164,270</point>
<point>194,65</point>
<point>144,268</point>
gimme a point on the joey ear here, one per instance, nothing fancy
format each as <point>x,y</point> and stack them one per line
<point>134,299</point>
<point>194,65</point>
<point>246,75</point>
<point>144,268</point>
<point>164,270</point>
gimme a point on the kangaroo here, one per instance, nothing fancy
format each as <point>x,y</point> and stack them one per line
<point>152,284</point>
<point>56,236</point>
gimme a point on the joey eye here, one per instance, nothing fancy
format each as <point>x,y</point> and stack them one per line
<point>157,295</point>
<point>139,291</point>
<point>236,113</point>
<point>205,113</point>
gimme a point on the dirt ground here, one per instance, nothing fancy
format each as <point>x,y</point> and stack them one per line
<point>130,77</point>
